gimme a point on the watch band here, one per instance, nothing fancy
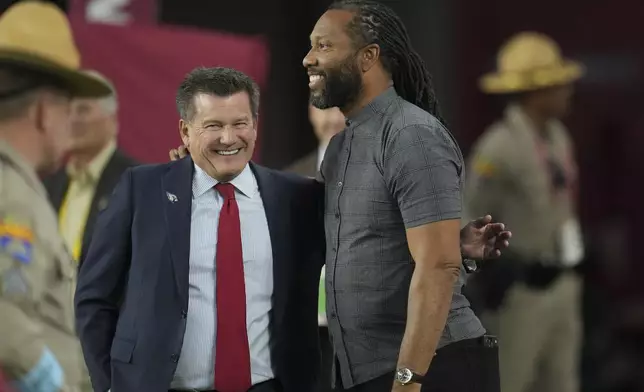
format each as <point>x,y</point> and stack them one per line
<point>405,376</point>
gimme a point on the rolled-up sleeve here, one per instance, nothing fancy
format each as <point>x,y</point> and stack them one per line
<point>423,168</point>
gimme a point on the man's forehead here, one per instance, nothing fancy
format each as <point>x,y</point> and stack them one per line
<point>205,101</point>
<point>331,24</point>
<point>210,107</point>
<point>84,103</point>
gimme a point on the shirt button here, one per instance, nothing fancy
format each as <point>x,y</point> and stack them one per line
<point>339,183</point>
<point>337,215</point>
<point>175,358</point>
<point>184,314</point>
<point>334,249</point>
<point>332,315</point>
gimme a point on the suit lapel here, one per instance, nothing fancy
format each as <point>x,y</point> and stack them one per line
<point>277,209</point>
<point>57,188</point>
<point>177,185</point>
<point>106,183</point>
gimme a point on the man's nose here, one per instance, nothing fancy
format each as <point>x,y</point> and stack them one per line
<point>227,136</point>
<point>308,60</point>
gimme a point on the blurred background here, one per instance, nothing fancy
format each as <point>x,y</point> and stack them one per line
<point>145,47</point>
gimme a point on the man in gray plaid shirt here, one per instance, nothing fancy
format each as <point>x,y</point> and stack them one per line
<point>392,216</point>
<point>393,207</point>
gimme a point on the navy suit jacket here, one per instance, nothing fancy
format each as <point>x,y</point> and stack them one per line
<point>132,294</point>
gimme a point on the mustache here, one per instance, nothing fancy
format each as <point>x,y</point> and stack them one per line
<point>312,71</point>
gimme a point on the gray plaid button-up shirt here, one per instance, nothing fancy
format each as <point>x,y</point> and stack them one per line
<point>394,167</point>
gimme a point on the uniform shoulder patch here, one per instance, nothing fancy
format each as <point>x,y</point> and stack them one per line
<point>16,239</point>
<point>484,167</point>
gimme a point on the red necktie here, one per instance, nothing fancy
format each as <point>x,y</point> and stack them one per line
<point>232,358</point>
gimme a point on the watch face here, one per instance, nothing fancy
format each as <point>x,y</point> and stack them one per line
<point>404,376</point>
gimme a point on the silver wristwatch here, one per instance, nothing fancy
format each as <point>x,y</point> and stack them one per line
<point>404,376</point>
<point>470,265</point>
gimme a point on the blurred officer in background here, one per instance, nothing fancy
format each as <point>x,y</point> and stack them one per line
<point>326,123</point>
<point>39,75</point>
<point>94,168</point>
<point>523,173</point>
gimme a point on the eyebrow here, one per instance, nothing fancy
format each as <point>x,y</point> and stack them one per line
<point>318,37</point>
<point>219,121</point>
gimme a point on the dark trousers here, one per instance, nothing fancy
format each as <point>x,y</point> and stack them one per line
<point>326,364</point>
<point>465,366</point>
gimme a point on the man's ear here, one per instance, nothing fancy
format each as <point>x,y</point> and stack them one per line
<point>184,132</point>
<point>369,57</point>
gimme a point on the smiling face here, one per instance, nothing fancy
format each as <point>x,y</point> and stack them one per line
<point>335,78</point>
<point>221,133</point>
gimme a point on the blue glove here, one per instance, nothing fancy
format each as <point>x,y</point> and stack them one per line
<point>46,376</point>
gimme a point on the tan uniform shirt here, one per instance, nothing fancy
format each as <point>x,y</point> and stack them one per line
<point>510,179</point>
<point>37,277</point>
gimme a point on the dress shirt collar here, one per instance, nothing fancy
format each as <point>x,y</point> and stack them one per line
<point>245,182</point>
<point>320,157</point>
<point>521,122</point>
<point>26,170</point>
<point>375,107</point>
<point>94,169</point>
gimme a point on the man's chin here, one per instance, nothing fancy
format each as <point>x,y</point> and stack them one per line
<point>224,169</point>
<point>225,174</point>
<point>319,101</point>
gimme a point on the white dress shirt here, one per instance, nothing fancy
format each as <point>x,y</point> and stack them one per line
<point>195,369</point>
<point>322,320</point>
<point>321,150</point>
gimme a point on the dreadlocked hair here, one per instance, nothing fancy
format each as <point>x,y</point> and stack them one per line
<point>376,23</point>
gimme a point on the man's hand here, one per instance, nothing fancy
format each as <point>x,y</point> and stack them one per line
<point>178,153</point>
<point>482,240</point>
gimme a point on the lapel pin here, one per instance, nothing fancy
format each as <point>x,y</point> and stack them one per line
<point>172,197</point>
<point>102,204</point>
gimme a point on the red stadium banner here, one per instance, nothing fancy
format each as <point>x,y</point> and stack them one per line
<point>115,12</point>
<point>147,63</point>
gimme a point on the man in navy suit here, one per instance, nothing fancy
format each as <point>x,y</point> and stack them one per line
<point>203,272</point>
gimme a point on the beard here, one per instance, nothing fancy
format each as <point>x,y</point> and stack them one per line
<point>342,86</point>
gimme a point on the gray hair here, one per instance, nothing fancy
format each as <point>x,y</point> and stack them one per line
<point>219,81</point>
<point>109,103</point>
